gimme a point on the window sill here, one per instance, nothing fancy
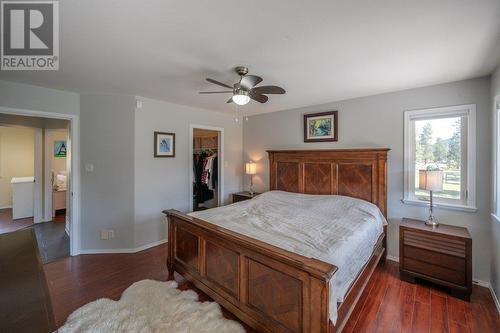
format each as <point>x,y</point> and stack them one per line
<point>495,217</point>
<point>463,208</point>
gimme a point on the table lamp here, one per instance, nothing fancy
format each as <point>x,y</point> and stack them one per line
<point>251,169</point>
<point>432,181</point>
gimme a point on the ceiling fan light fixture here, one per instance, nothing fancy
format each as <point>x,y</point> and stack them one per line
<point>241,97</point>
<point>246,88</point>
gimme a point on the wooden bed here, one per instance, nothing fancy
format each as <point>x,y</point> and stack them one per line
<point>268,288</point>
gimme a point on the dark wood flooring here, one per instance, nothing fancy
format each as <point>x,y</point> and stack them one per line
<point>388,304</point>
<point>24,298</point>
<point>7,224</point>
<point>53,242</point>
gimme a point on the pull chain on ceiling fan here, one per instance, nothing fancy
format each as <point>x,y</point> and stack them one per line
<point>245,89</point>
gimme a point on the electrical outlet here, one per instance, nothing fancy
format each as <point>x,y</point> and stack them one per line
<point>104,234</point>
<point>107,234</point>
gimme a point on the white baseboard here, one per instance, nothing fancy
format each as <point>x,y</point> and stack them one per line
<point>481,283</point>
<point>492,292</point>
<point>150,245</point>
<point>478,282</point>
<point>132,250</point>
<point>5,207</point>
<point>495,298</point>
<point>392,258</point>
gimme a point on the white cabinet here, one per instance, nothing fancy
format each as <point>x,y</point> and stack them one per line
<point>58,201</point>
<point>22,197</point>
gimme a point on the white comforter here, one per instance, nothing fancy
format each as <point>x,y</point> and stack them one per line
<point>336,229</point>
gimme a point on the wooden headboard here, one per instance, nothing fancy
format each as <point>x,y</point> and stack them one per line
<point>357,173</point>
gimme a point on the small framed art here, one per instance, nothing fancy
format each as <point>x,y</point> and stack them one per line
<point>321,127</point>
<point>164,144</point>
<point>60,148</point>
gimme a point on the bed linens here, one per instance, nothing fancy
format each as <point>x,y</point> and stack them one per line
<point>336,229</point>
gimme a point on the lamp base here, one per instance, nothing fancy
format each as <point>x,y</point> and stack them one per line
<point>431,222</point>
<point>251,186</point>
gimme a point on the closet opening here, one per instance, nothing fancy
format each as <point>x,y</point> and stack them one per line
<point>206,164</point>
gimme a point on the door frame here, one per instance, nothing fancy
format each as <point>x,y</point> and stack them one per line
<point>38,195</point>
<point>74,181</point>
<point>220,159</point>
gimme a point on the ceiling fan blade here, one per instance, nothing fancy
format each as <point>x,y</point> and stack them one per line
<point>268,90</point>
<point>219,83</point>
<point>230,100</point>
<point>257,97</point>
<point>249,81</point>
<point>216,92</point>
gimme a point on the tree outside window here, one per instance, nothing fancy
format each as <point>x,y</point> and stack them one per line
<point>438,146</point>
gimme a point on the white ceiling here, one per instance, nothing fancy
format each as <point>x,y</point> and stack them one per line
<point>319,51</point>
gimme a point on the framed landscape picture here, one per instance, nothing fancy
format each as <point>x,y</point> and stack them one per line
<point>164,144</point>
<point>320,127</point>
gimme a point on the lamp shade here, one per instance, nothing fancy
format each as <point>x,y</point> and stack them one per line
<point>250,168</point>
<point>430,180</point>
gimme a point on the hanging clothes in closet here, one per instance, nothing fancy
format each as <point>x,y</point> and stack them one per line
<point>205,172</point>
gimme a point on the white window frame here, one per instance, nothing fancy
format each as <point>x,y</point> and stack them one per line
<point>496,158</point>
<point>468,179</point>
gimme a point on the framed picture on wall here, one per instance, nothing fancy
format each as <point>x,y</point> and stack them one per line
<point>321,126</point>
<point>164,144</point>
<point>60,148</point>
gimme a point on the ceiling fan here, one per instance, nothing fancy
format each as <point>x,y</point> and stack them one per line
<point>245,89</point>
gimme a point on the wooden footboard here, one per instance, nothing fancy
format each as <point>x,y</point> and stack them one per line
<point>270,289</point>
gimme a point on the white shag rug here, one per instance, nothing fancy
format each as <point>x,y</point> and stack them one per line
<point>151,306</point>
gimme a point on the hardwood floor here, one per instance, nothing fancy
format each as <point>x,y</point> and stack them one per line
<point>52,240</point>
<point>7,224</point>
<point>24,298</point>
<point>75,281</point>
<point>387,305</point>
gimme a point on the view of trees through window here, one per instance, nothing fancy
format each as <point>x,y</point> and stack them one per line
<point>438,146</point>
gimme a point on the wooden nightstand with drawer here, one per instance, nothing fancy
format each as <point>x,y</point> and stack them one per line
<point>442,255</point>
<point>242,196</point>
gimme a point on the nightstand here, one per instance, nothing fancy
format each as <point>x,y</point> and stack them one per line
<point>442,255</point>
<point>242,196</point>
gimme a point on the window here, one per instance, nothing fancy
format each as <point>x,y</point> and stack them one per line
<point>441,139</point>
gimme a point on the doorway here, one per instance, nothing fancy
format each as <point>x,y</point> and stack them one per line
<point>31,148</point>
<point>56,178</point>
<point>206,171</point>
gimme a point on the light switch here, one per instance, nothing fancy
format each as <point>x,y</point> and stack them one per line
<point>89,167</point>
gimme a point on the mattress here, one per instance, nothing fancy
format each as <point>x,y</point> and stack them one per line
<point>335,229</point>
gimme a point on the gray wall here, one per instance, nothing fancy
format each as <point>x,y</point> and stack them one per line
<point>162,183</point>
<point>117,139</point>
<point>23,96</point>
<point>495,225</point>
<point>107,195</point>
<point>377,121</point>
